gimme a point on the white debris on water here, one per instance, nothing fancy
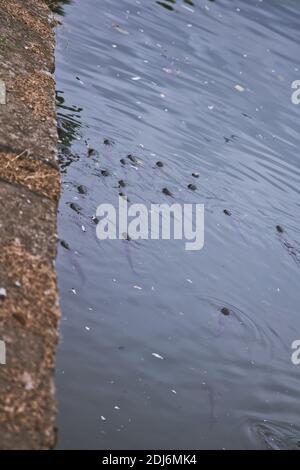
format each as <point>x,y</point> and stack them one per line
<point>158,356</point>
<point>87,328</point>
<point>174,391</point>
<point>239,88</point>
<point>117,407</point>
<point>137,287</point>
<point>103,418</point>
<point>136,78</point>
<point>83,228</point>
<point>74,291</point>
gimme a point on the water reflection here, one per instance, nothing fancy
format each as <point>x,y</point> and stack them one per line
<point>68,126</point>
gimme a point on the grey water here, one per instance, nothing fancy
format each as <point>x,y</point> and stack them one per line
<point>147,357</point>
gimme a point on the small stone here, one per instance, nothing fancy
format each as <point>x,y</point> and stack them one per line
<point>239,88</point>
<point>123,161</point>
<point>3,293</point>
<point>158,356</point>
<point>159,164</point>
<point>195,175</point>
<point>121,183</point>
<point>192,187</point>
<point>104,173</point>
<point>27,381</point>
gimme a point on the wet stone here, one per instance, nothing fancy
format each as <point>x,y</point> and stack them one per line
<point>75,207</point>
<point>227,212</point>
<point>159,164</point>
<point>192,187</point>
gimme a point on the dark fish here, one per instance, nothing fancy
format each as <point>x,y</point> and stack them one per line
<point>132,158</point>
<point>91,152</point>
<point>82,189</point>
<point>108,142</point>
<point>225,311</point>
<point>279,229</point>
<point>95,219</point>
<point>75,207</point>
<point>126,236</point>
<point>167,192</point>
<point>65,244</point>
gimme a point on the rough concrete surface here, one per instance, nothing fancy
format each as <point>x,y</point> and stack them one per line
<point>29,191</point>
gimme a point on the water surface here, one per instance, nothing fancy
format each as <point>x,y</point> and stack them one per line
<point>203,87</point>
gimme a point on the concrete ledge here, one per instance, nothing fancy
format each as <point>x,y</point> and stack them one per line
<point>29,192</point>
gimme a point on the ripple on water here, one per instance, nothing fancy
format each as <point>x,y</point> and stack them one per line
<point>274,435</point>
